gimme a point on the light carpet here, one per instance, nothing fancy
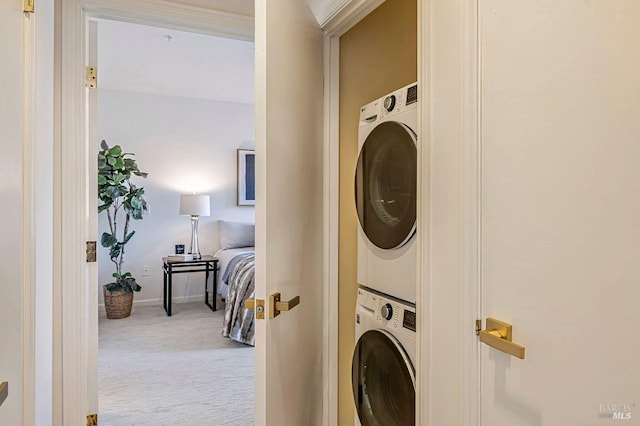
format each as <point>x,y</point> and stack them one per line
<point>173,371</point>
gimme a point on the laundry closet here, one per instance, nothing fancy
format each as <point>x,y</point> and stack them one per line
<point>378,70</point>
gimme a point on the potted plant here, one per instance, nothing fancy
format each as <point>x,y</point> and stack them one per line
<point>121,199</point>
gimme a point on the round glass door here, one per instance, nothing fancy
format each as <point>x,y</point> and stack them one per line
<point>386,176</point>
<point>383,381</point>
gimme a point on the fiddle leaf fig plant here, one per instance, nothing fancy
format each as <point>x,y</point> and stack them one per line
<point>122,200</point>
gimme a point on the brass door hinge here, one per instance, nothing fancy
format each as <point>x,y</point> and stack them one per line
<point>92,420</point>
<point>257,305</point>
<point>29,6</point>
<point>91,251</point>
<point>92,77</point>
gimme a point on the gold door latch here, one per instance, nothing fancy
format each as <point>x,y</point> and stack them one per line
<point>276,306</point>
<point>257,305</point>
<point>498,335</point>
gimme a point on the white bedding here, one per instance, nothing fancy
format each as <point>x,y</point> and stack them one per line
<point>224,256</point>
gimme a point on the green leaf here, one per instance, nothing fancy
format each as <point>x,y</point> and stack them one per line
<point>103,207</point>
<point>108,240</point>
<point>116,151</point>
<point>104,146</point>
<point>119,163</point>
<point>136,203</point>
<point>114,252</point>
<point>127,238</point>
<point>119,178</point>
<point>101,180</point>
<point>111,160</point>
<point>113,287</point>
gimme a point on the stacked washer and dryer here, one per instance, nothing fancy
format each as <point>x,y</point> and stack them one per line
<point>383,373</point>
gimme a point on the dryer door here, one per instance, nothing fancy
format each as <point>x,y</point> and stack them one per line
<point>383,381</point>
<point>386,177</point>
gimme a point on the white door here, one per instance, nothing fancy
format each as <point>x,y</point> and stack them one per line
<point>289,109</point>
<point>91,353</point>
<point>560,102</point>
<point>12,86</point>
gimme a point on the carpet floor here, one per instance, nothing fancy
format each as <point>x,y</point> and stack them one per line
<point>173,371</point>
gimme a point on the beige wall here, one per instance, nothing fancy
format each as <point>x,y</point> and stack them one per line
<point>377,56</point>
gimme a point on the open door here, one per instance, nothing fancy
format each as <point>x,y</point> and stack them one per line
<point>91,354</point>
<point>289,212</point>
<point>560,212</point>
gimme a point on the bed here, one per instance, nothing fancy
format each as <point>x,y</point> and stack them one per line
<point>236,279</point>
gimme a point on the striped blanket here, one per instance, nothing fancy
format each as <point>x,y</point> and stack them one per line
<point>238,321</point>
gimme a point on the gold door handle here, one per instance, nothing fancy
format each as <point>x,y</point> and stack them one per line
<point>498,335</point>
<point>257,305</point>
<point>276,306</point>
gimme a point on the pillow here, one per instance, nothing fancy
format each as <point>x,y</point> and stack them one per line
<point>235,234</point>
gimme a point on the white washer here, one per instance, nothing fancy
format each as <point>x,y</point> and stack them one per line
<point>385,187</point>
<point>383,373</point>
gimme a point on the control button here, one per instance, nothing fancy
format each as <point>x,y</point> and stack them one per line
<point>390,103</point>
<point>386,311</point>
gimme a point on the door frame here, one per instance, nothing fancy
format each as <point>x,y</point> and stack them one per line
<point>37,216</point>
<point>72,229</point>
<point>451,259</point>
<point>343,21</point>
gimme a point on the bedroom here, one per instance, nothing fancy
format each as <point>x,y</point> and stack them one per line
<point>183,104</point>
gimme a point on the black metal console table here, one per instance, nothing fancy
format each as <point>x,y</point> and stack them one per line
<point>206,264</point>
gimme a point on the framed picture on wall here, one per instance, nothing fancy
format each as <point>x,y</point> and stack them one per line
<point>246,177</point>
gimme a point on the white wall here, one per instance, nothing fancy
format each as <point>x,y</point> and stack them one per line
<point>185,145</point>
<point>43,214</point>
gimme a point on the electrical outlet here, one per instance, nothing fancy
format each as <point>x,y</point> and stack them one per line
<point>146,271</point>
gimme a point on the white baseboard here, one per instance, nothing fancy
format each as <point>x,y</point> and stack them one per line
<point>158,301</point>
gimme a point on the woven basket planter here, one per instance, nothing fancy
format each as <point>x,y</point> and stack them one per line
<point>117,304</point>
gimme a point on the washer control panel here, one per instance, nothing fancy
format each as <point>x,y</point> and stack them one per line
<point>394,103</point>
<point>391,313</point>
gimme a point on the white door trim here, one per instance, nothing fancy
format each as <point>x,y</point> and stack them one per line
<point>423,217</point>
<point>341,21</point>
<point>331,186</point>
<point>451,79</point>
<point>29,221</point>
<point>471,308</point>
<point>71,165</point>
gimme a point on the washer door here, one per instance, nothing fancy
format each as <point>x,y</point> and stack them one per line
<point>383,381</point>
<point>386,177</point>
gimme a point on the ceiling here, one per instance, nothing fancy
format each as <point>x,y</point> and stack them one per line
<point>144,59</point>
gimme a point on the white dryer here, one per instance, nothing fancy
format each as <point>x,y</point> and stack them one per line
<point>383,374</point>
<point>385,189</point>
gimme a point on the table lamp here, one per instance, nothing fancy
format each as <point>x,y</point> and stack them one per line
<point>195,206</point>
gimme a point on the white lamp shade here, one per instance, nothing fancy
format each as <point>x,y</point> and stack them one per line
<point>195,205</point>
